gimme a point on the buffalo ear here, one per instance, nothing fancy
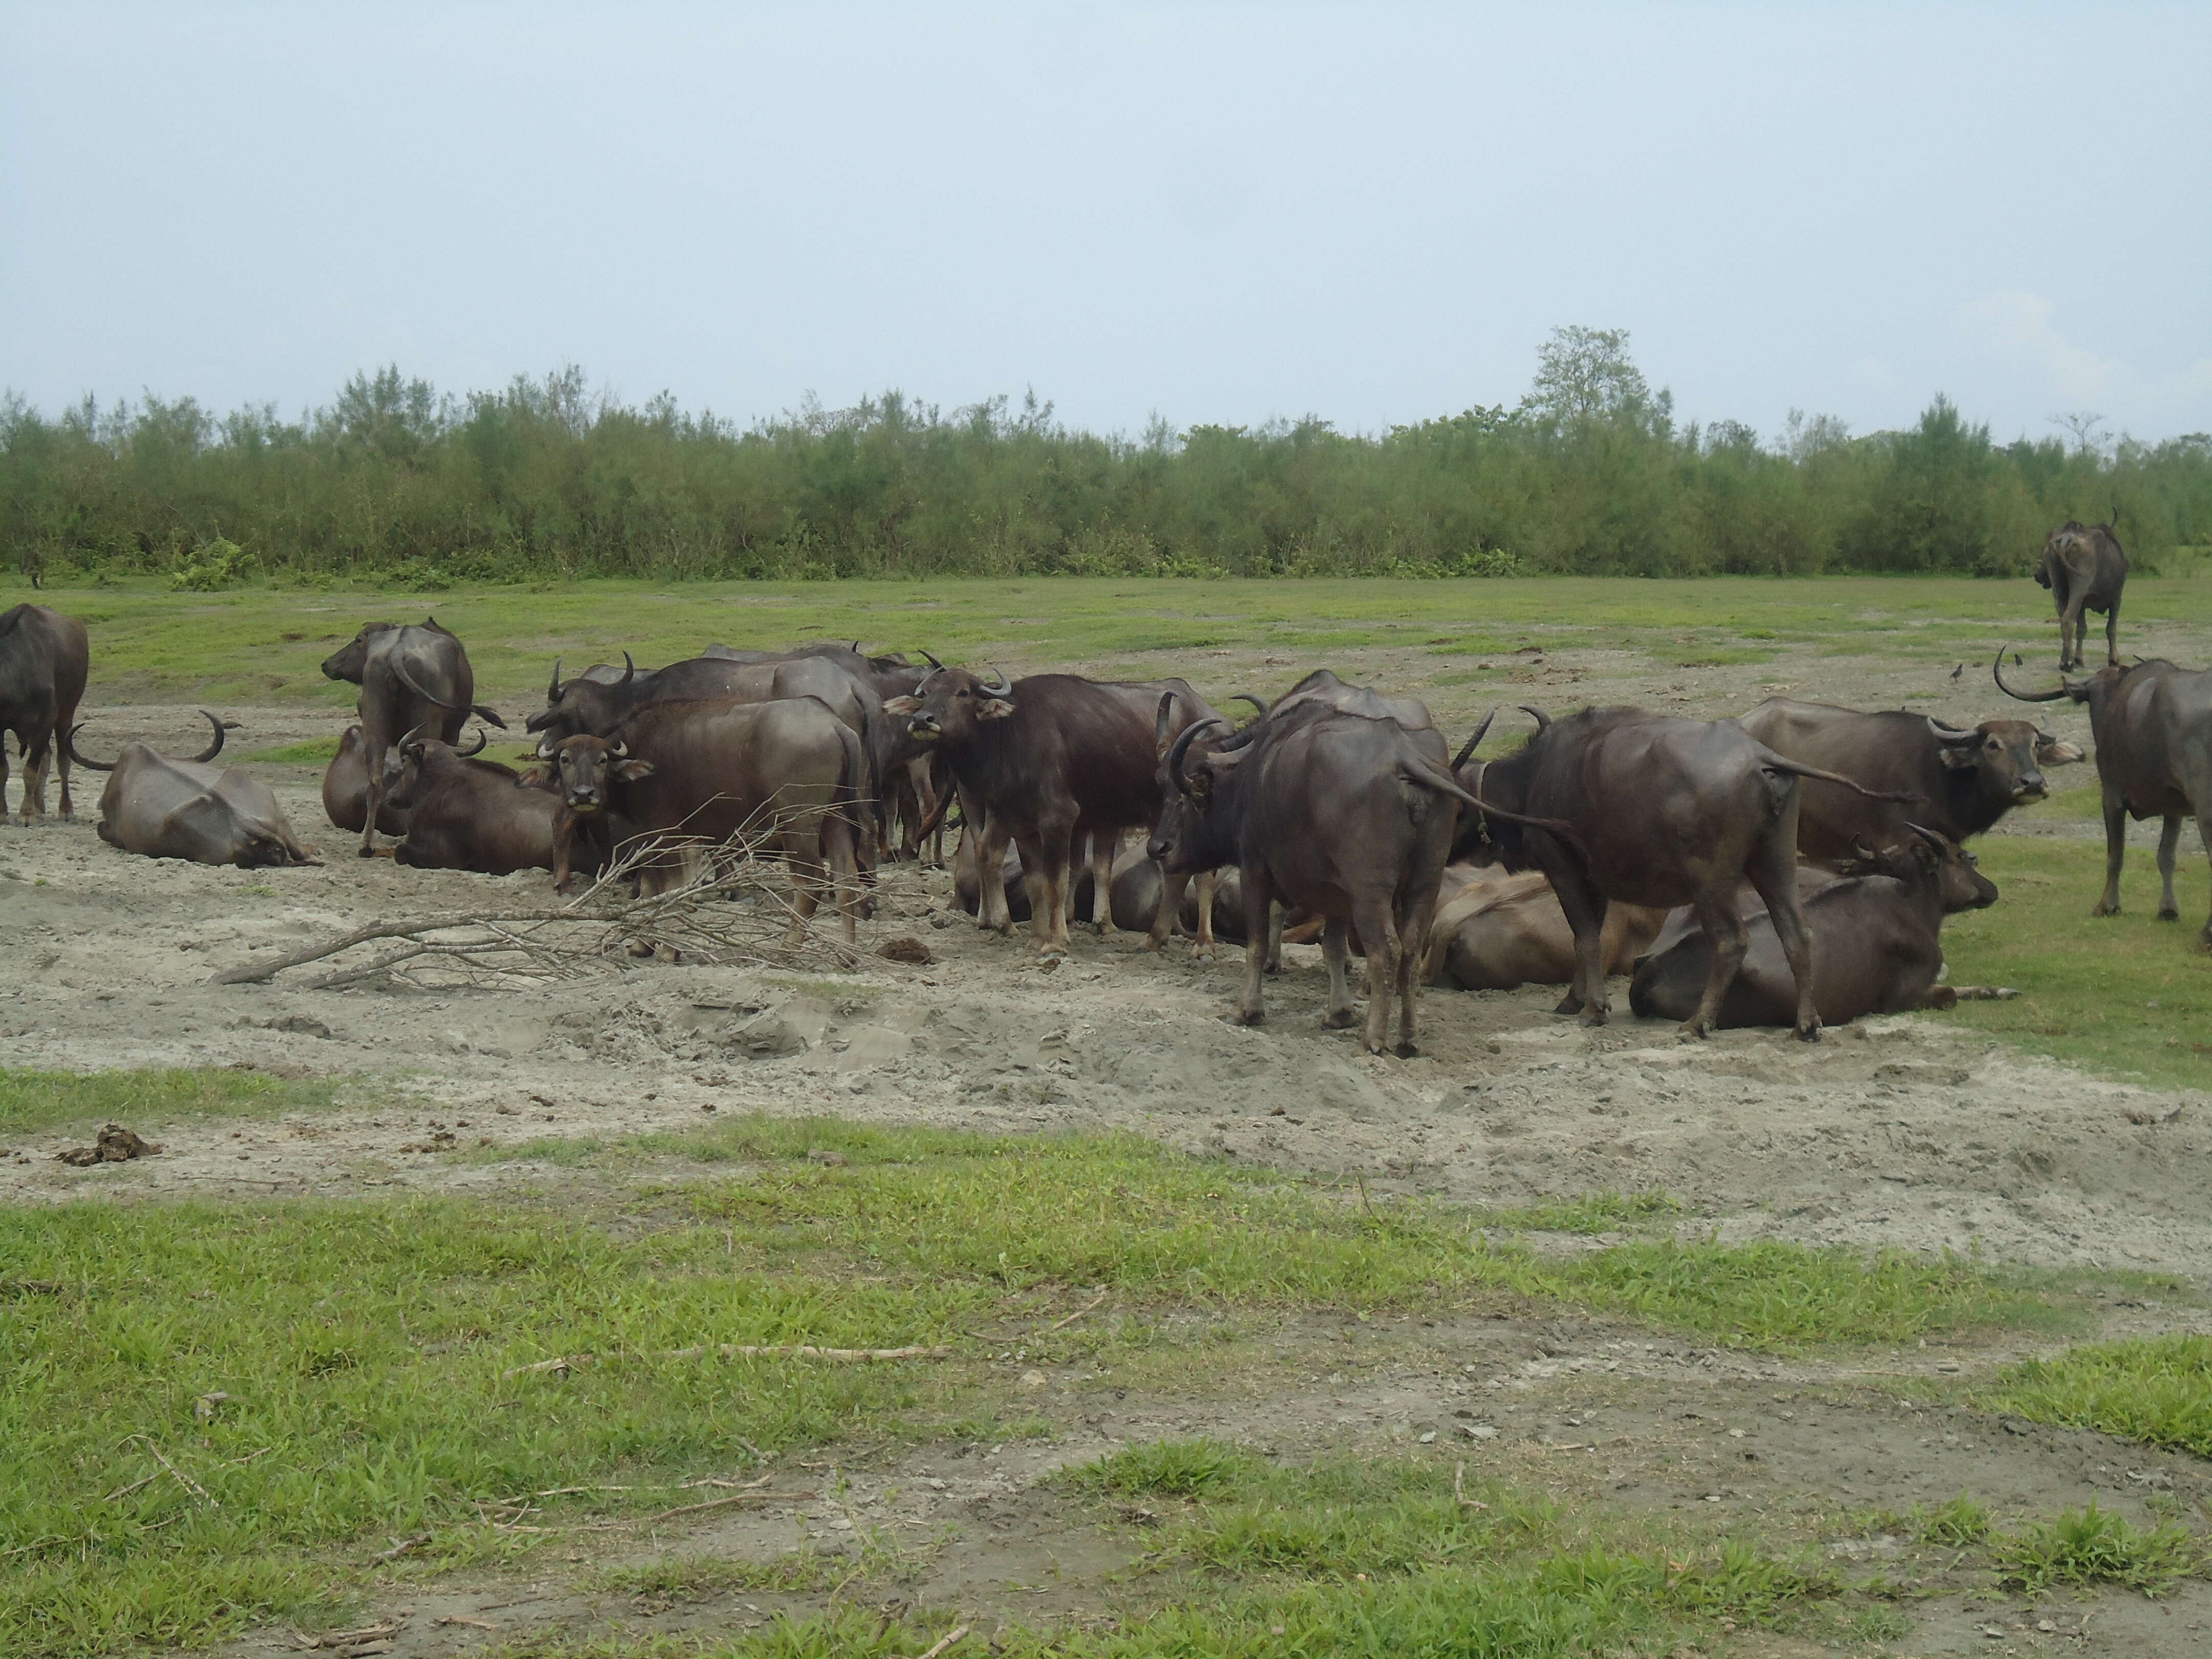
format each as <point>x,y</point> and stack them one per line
<point>1956,758</point>
<point>995,709</point>
<point>630,771</point>
<point>906,705</point>
<point>537,777</point>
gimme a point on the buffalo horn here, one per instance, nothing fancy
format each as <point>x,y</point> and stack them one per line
<point>214,748</point>
<point>1997,669</point>
<point>553,690</point>
<point>629,669</point>
<point>484,737</point>
<point>546,748</point>
<point>413,735</point>
<point>1949,737</point>
<point>1257,702</point>
<point>930,657</point>
<point>1475,742</point>
<point>1174,756</point>
<point>999,686</point>
<point>1543,720</point>
<point>68,742</point>
<point>1166,713</point>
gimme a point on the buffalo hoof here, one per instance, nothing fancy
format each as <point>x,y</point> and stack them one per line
<point>2101,907</point>
<point>367,852</point>
<point>1337,1018</point>
<point>1569,1006</point>
<point>2169,915</point>
<point>1406,1051</point>
<point>1201,953</point>
<point>1249,1016</point>
<point>1808,1033</point>
<point>1691,1032</point>
<point>1596,1016</point>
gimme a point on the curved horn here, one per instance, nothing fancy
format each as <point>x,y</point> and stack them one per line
<point>546,748</point>
<point>1182,744</point>
<point>484,737</point>
<point>930,657</point>
<point>1257,702</point>
<point>1926,834</point>
<point>619,749</point>
<point>1475,742</point>
<point>856,647</point>
<point>413,734</point>
<point>216,747</point>
<point>1002,687</point>
<point>1161,717</point>
<point>553,690</point>
<point>1997,669</point>
<point>1543,720</point>
<point>629,669</point>
<point>1950,736</point>
<point>69,742</point>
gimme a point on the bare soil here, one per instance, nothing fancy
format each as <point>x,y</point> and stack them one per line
<point>1895,1132</point>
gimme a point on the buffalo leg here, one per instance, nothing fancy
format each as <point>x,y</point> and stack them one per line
<point>2116,853</point>
<point>3,775</point>
<point>1774,875</point>
<point>842,857</point>
<point>34,777</point>
<point>1584,908</point>
<point>1201,949</point>
<point>1045,858</point>
<point>1724,928</point>
<point>2112,634</point>
<point>1105,845</point>
<point>2168,840</point>
<point>1275,914</point>
<point>1383,953</point>
<point>991,909</point>
<point>1259,900</point>
<point>1336,951</point>
<point>1412,935</point>
<point>2205,834</point>
<point>2073,628</point>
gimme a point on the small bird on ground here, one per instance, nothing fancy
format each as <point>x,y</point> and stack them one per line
<point>1959,670</point>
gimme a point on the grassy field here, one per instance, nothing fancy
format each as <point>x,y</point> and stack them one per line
<point>217,1414</point>
<point>262,644</point>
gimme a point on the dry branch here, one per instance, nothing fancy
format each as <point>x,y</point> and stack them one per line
<point>744,1350</point>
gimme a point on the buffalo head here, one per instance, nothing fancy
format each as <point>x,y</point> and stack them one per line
<point>349,663</point>
<point>586,703</point>
<point>581,770</point>
<point>2003,757</point>
<point>951,705</point>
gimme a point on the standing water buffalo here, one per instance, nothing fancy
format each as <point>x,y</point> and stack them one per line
<point>345,790</point>
<point>187,809</point>
<point>1045,759</point>
<point>1348,816</point>
<point>691,776</point>
<point>1966,781</point>
<point>2153,727</point>
<point>410,676</point>
<point>1668,811</point>
<point>2085,570</point>
<point>463,813</point>
<point>1877,944</point>
<point>44,659</point>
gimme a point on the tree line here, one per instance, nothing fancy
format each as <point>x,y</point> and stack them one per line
<point>1591,473</point>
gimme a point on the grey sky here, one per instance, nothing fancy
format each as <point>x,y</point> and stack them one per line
<point>1219,213</point>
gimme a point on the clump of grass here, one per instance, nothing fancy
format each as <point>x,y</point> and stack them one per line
<point>1591,1213</point>
<point>31,1101</point>
<point>1954,1524</point>
<point>2096,1546</point>
<point>1174,1468</point>
<point>309,751</point>
<point>2156,1390</point>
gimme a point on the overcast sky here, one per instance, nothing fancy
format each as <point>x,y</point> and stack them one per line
<point>1217,213</point>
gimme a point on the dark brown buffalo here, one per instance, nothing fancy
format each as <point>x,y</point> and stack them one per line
<point>2152,724</point>
<point>1324,688</point>
<point>1509,931</point>
<point>345,790</point>
<point>1667,811</point>
<point>410,676</point>
<point>1133,892</point>
<point>1965,780</point>
<point>1041,762</point>
<point>186,808</point>
<point>687,778</point>
<point>2085,570</point>
<point>463,813</point>
<point>1877,943</point>
<point>44,659</point>
<point>1348,816</point>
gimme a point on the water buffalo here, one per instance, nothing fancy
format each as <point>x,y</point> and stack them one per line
<point>689,776</point>
<point>410,676</point>
<point>1324,688</point>
<point>1965,780</point>
<point>1044,760</point>
<point>1347,815</point>
<point>44,659</point>
<point>463,813</point>
<point>345,790</point>
<point>1133,892</point>
<point>2152,724</point>
<point>187,809</point>
<point>1667,811</point>
<point>1876,942</point>
<point>2085,570</point>
<point>1509,931</point>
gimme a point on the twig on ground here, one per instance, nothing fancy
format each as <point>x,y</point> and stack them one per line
<point>184,1480</point>
<point>1078,1314</point>
<point>1459,1491</point>
<point>401,1547</point>
<point>944,1643</point>
<point>745,1351</point>
<point>716,1504</point>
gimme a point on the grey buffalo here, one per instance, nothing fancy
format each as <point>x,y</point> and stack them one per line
<point>44,659</point>
<point>463,813</point>
<point>411,675</point>
<point>1509,931</point>
<point>2085,570</point>
<point>188,809</point>
<point>345,790</point>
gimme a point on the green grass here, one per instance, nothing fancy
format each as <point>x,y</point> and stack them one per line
<point>266,644</point>
<point>362,1346</point>
<point>1176,1468</point>
<point>2084,1547</point>
<point>2128,996</point>
<point>1602,1211</point>
<point>2156,1390</point>
<point>310,751</point>
<point>35,1101</point>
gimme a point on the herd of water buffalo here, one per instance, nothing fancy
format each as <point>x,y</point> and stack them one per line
<point>1788,867</point>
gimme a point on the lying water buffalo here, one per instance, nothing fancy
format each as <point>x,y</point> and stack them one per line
<point>1133,892</point>
<point>2085,570</point>
<point>1964,779</point>
<point>2153,727</point>
<point>463,813</point>
<point>187,809</point>
<point>1509,931</point>
<point>44,659</point>
<point>1667,811</point>
<point>345,790</point>
<point>1876,940</point>
<point>411,675</point>
<point>691,776</point>
<point>1349,816</point>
